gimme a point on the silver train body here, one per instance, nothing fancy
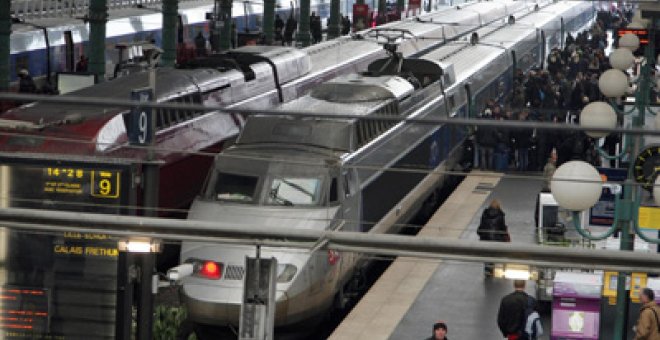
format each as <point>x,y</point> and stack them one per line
<point>324,173</point>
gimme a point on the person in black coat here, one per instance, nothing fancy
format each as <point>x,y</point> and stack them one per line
<point>511,314</point>
<point>492,226</point>
<point>279,28</point>
<point>289,29</point>
<point>26,83</point>
<point>345,25</point>
<point>522,141</point>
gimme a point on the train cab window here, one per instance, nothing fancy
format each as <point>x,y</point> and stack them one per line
<point>236,188</point>
<point>333,197</point>
<point>294,191</point>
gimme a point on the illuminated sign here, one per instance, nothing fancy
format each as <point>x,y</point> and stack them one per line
<point>77,269</point>
<point>649,217</point>
<point>102,183</point>
<point>23,310</point>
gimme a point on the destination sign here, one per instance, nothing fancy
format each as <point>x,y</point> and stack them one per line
<point>77,181</point>
<point>23,311</point>
<point>77,270</point>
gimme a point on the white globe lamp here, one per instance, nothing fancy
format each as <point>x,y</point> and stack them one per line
<point>622,59</point>
<point>576,185</point>
<point>613,83</point>
<point>629,41</point>
<point>656,191</point>
<point>637,21</point>
<point>636,25</point>
<point>598,115</point>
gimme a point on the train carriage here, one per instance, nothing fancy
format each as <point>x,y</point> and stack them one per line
<point>333,174</point>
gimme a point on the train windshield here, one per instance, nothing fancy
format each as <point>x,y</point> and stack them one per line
<point>236,188</point>
<point>294,191</point>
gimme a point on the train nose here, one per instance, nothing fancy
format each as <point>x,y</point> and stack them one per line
<point>222,307</point>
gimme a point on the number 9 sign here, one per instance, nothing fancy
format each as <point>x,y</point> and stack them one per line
<point>139,119</point>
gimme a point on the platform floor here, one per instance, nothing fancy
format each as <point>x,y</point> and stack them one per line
<point>414,293</point>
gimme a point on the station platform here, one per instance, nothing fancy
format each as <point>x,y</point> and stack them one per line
<point>414,293</point>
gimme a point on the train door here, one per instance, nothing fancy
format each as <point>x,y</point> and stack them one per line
<point>351,205</point>
<point>351,212</point>
<point>543,50</point>
<point>471,113</point>
<point>514,66</point>
<point>69,52</point>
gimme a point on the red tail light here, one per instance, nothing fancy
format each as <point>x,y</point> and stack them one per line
<point>211,270</point>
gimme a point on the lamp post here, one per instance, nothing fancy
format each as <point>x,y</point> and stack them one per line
<point>577,197</point>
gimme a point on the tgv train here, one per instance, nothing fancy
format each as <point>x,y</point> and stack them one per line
<point>89,158</point>
<point>55,44</point>
<point>102,133</point>
<point>332,174</point>
<point>425,32</point>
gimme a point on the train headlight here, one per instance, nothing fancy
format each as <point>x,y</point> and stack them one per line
<point>286,272</point>
<point>211,270</point>
<point>206,269</point>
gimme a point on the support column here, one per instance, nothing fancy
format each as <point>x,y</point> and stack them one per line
<point>304,37</point>
<point>98,16</point>
<point>269,21</point>
<point>400,7</point>
<point>334,22</point>
<point>170,12</point>
<point>382,12</point>
<point>224,25</point>
<point>5,38</point>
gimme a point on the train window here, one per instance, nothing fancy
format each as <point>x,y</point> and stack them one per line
<point>334,196</point>
<point>294,191</point>
<point>160,123</point>
<point>364,134</point>
<point>237,188</point>
<point>373,129</point>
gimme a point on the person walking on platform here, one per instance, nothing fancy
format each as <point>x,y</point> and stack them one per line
<point>648,324</point>
<point>492,228</point>
<point>279,28</point>
<point>439,331</point>
<point>515,308</point>
<point>200,45</point>
<point>486,141</point>
<point>345,25</point>
<point>315,27</point>
<point>289,29</point>
<point>26,83</point>
<point>81,65</point>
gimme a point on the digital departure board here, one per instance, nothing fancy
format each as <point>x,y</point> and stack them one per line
<point>75,271</point>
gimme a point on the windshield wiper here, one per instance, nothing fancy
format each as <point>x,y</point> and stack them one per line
<point>297,187</point>
<point>277,198</point>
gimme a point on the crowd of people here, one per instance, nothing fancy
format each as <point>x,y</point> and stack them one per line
<point>557,94</point>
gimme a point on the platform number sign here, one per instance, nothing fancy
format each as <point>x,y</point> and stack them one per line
<point>139,125</point>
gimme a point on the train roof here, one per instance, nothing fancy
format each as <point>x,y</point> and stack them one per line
<point>330,134</point>
<point>170,83</point>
